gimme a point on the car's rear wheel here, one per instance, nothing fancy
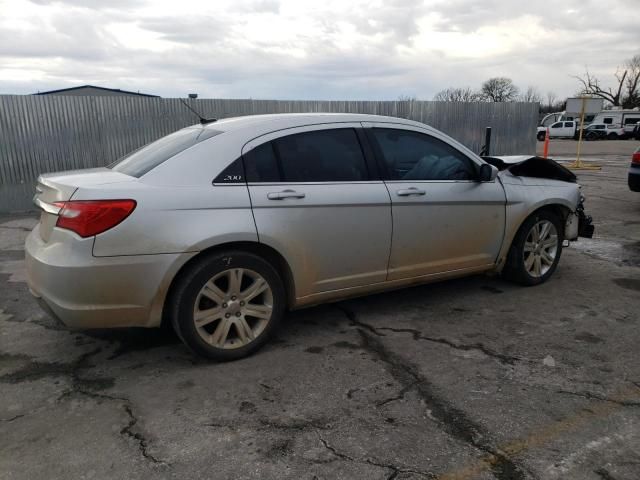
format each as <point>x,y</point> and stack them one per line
<point>227,305</point>
<point>535,250</point>
<point>612,136</point>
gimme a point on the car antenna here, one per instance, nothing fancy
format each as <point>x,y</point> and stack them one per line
<point>203,121</point>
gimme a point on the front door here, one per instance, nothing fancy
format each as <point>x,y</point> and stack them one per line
<point>444,219</point>
<point>314,202</point>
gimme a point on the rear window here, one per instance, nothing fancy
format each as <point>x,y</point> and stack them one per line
<point>141,161</point>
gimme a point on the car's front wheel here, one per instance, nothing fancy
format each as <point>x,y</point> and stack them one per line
<point>535,250</point>
<point>227,305</point>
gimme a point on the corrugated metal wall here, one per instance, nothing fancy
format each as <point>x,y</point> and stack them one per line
<point>44,134</point>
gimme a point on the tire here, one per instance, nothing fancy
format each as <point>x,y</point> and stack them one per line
<point>244,296</point>
<point>540,136</point>
<point>612,136</point>
<point>544,260</point>
<point>590,136</point>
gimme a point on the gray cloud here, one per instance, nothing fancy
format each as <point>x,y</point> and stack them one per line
<point>217,53</point>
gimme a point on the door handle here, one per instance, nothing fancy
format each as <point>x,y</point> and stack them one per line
<point>410,191</point>
<point>284,194</point>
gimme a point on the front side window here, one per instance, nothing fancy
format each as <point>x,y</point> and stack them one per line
<point>410,155</point>
<point>150,156</point>
<point>557,125</point>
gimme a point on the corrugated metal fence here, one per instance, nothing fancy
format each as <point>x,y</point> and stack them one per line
<point>43,134</point>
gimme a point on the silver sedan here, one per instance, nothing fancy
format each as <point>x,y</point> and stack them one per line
<point>219,228</point>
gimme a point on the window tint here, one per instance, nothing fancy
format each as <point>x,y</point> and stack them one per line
<point>141,161</point>
<point>411,155</point>
<point>557,125</point>
<point>261,164</point>
<point>568,124</point>
<point>321,156</point>
<point>607,120</point>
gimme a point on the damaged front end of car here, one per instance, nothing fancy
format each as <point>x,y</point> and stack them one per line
<point>539,167</point>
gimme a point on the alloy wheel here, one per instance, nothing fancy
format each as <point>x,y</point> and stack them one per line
<point>233,308</point>
<point>540,248</point>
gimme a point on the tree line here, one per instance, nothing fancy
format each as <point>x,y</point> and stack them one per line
<point>625,91</point>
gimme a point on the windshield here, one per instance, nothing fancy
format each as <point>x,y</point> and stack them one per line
<point>141,161</point>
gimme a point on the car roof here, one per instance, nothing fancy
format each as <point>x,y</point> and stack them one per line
<point>277,121</point>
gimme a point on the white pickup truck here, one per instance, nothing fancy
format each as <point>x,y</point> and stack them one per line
<point>563,129</point>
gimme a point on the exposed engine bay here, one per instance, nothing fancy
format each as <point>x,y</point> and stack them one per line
<point>525,166</point>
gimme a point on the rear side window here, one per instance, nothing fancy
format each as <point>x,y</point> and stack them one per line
<point>321,156</point>
<point>141,161</point>
<point>410,155</point>
<point>261,164</point>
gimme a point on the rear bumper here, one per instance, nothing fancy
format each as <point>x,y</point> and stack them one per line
<point>84,291</point>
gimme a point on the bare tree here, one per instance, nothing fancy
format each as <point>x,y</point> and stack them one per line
<point>457,95</point>
<point>632,86</point>
<point>531,94</point>
<point>591,86</point>
<point>407,98</point>
<point>499,89</point>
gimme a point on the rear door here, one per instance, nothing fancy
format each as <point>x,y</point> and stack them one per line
<point>569,129</point>
<point>559,129</point>
<point>443,218</point>
<point>315,200</point>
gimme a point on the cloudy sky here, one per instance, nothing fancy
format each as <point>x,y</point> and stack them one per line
<point>322,49</point>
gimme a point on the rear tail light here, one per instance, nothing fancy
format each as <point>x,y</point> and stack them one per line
<point>91,217</point>
<point>636,157</point>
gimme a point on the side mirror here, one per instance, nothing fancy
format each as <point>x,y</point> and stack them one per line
<point>488,173</point>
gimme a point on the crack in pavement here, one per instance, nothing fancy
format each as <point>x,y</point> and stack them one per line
<point>451,419</point>
<point>594,396</point>
<point>418,335</point>
<point>143,443</point>
<point>81,386</point>
<point>84,386</point>
<point>395,470</point>
<point>13,418</point>
<point>399,396</point>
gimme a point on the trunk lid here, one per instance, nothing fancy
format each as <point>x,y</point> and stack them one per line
<point>60,187</point>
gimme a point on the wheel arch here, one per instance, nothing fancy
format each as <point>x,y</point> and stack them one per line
<point>559,208</point>
<point>266,252</point>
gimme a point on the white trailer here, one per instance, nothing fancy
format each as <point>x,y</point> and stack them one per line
<point>625,119</point>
